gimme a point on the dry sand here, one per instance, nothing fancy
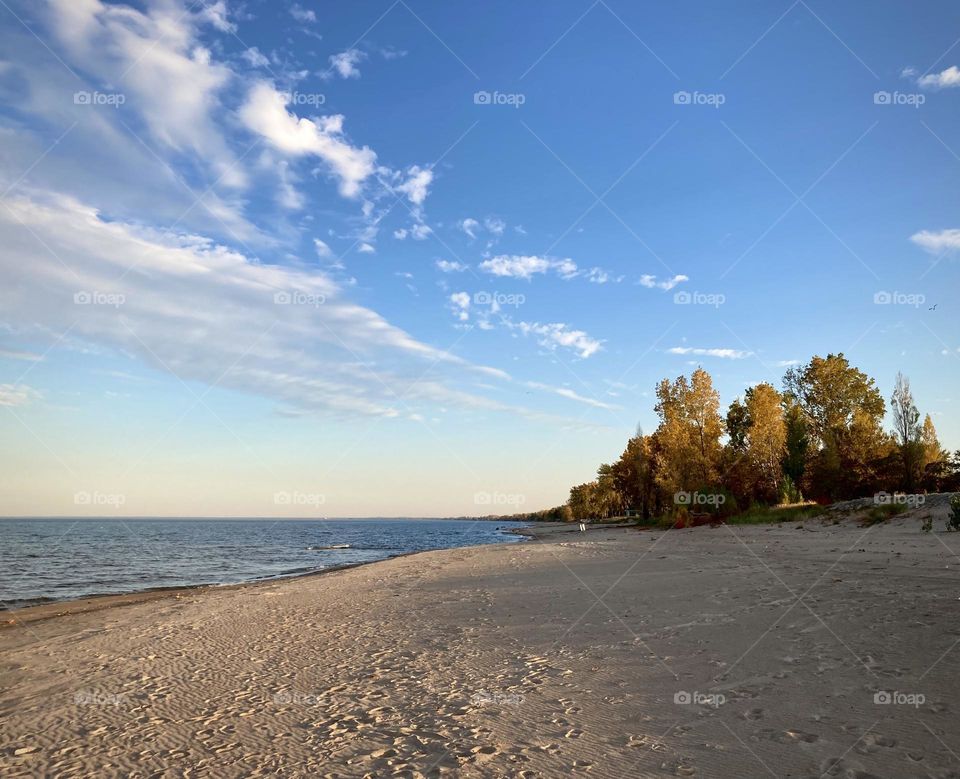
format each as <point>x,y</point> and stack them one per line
<point>568,654</point>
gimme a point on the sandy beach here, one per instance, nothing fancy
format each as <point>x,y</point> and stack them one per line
<point>796,650</point>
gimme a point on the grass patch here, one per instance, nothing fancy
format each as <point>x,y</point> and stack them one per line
<point>882,513</point>
<point>765,515</point>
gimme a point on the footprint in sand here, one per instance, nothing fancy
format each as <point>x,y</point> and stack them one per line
<point>873,742</point>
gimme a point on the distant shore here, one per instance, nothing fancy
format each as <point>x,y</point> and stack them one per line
<point>697,652</point>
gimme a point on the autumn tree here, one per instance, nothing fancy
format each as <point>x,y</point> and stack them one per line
<point>843,410</point>
<point>766,440</point>
<point>689,433</point>
<point>934,459</point>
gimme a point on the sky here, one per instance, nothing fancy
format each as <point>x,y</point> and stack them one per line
<point>431,258</point>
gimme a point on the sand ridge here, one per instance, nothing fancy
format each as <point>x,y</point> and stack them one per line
<point>731,651</point>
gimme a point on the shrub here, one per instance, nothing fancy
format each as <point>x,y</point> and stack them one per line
<point>789,492</point>
<point>883,512</point>
<point>954,521</point>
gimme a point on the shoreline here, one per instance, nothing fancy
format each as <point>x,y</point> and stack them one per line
<point>615,652</point>
<point>86,604</point>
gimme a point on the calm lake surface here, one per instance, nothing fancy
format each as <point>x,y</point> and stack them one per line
<point>60,559</point>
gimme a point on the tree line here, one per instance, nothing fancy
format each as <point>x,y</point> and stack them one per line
<point>820,437</point>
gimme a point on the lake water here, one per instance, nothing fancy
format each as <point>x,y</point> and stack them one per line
<point>60,559</point>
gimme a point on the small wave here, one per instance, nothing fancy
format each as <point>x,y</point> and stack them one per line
<point>329,546</point>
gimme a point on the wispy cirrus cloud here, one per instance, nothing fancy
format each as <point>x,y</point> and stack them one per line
<point>17,394</point>
<point>184,304</point>
<point>566,392</point>
<point>726,354</point>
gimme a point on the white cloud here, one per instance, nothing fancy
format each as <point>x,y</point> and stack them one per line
<point>417,185</point>
<point>420,232</point>
<point>469,226</point>
<point>942,80</point>
<point>366,248</point>
<point>526,267</point>
<point>598,276</point>
<point>460,303</point>
<point>938,242</point>
<point>265,113</point>
<point>726,354</point>
<point>565,392</point>
<point>516,266</point>
<point>449,266</point>
<point>323,250</point>
<point>345,63</point>
<point>287,194</point>
<point>155,59</point>
<point>786,363</point>
<point>17,354</point>
<point>566,269</point>
<point>216,14</point>
<point>255,58</point>
<point>207,313</point>
<point>557,334</point>
<point>650,282</point>
<point>17,394</point>
<point>495,225</point>
<point>302,14</point>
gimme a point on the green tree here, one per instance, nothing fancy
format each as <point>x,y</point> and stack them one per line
<point>907,432</point>
<point>797,443</point>
<point>843,410</point>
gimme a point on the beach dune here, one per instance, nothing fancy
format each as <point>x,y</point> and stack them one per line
<point>793,650</point>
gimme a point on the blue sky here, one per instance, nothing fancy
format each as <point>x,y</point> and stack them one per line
<point>413,258</point>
